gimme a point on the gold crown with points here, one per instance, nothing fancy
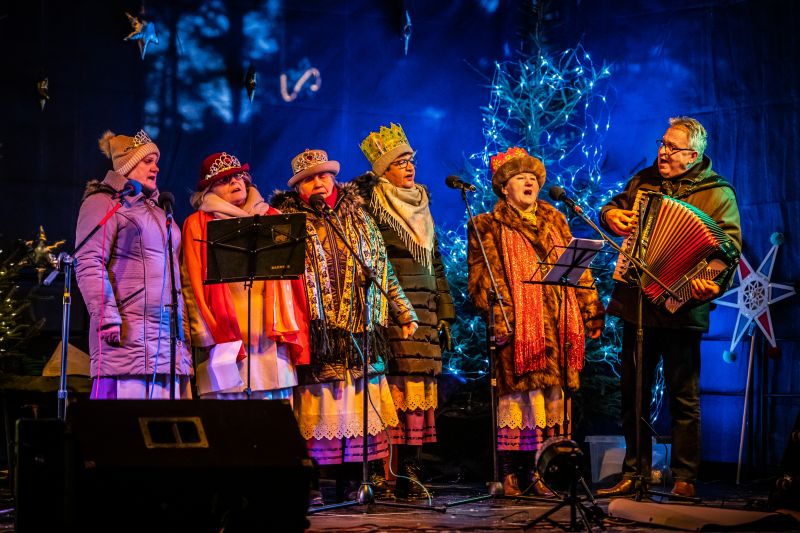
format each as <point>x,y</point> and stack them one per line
<point>383,146</point>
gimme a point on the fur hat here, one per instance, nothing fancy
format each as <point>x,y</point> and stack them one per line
<point>219,166</point>
<point>126,152</point>
<point>310,162</point>
<point>384,146</point>
<point>513,161</point>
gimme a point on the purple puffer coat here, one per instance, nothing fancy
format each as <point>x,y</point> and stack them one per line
<point>136,281</point>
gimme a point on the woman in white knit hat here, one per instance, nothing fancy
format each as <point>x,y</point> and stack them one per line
<point>123,275</point>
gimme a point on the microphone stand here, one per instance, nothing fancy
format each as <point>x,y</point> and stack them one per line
<point>495,486</point>
<point>66,263</point>
<point>365,494</point>
<point>639,268</point>
<point>173,305</point>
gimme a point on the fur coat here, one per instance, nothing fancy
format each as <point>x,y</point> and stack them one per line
<point>489,226</point>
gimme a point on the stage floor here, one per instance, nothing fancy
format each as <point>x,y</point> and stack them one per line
<point>513,515</point>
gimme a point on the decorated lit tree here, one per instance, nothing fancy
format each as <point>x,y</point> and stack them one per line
<point>17,323</point>
<point>555,106</point>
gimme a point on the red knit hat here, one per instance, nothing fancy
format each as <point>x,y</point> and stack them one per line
<point>219,166</point>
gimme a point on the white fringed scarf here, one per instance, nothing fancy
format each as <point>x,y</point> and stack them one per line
<point>407,211</point>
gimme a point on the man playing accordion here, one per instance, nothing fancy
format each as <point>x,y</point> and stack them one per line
<point>681,172</point>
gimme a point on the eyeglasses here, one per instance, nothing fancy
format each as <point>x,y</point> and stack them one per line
<point>403,163</point>
<point>227,179</point>
<point>669,147</point>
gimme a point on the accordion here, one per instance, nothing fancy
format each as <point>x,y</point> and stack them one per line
<point>677,243</point>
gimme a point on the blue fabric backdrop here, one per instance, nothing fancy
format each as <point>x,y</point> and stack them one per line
<point>731,64</point>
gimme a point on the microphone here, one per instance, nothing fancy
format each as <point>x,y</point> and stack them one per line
<point>131,188</point>
<point>560,195</point>
<point>454,182</point>
<point>165,201</point>
<point>318,203</point>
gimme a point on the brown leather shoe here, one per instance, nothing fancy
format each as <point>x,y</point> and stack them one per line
<point>538,488</point>
<point>623,488</point>
<point>510,485</point>
<point>684,488</point>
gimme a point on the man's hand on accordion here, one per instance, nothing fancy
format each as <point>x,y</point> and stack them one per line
<point>621,221</point>
<point>704,289</point>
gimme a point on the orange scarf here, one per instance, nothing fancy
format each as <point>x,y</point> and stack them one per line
<point>215,304</point>
<point>521,265</point>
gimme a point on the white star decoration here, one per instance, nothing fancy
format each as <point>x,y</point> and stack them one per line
<point>755,293</point>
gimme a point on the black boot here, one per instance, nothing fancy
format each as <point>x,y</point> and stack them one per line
<point>348,479</point>
<point>408,483</point>
<point>381,488</point>
<point>315,494</point>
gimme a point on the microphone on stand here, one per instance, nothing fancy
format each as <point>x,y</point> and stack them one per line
<point>131,188</point>
<point>560,195</point>
<point>318,203</point>
<point>165,201</point>
<point>454,182</point>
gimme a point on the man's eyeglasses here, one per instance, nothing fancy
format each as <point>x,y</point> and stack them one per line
<point>403,163</point>
<point>669,147</point>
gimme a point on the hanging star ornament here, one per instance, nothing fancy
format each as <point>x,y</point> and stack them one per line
<point>143,32</point>
<point>43,89</point>
<point>755,293</point>
<point>40,254</point>
<point>251,82</point>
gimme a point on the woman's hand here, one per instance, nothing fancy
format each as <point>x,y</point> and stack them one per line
<point>445,338</point>
<point>110,335</point>
<point>409,329</point>
<point>595,333</point>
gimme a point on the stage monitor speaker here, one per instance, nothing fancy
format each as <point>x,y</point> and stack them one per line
<point>200,465</point>
<point>785,493</point>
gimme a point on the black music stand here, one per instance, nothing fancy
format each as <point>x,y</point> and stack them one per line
<point>255,248</point>
<point>640,269</point>
<point>566,273</point>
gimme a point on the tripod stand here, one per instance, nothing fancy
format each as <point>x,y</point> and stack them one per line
<point>365,495</point>
<point>236,249</point>
<point>565,273</point>
<point>639,269</point>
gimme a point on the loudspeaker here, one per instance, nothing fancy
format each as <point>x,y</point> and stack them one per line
<point>131,465</point>
<point>785,493</point>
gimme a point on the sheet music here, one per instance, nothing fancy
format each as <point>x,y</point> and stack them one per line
<point>574,259</point>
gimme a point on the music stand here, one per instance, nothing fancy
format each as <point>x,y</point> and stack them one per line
<point>236,250</point>
<point>566,273</point>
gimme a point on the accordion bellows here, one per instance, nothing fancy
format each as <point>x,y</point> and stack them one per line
<point>677,243</point>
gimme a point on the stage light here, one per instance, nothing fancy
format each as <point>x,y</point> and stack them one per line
<point>559,461</point>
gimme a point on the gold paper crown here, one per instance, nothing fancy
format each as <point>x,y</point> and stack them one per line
<point>222,163</point>
<point>378,143</point>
